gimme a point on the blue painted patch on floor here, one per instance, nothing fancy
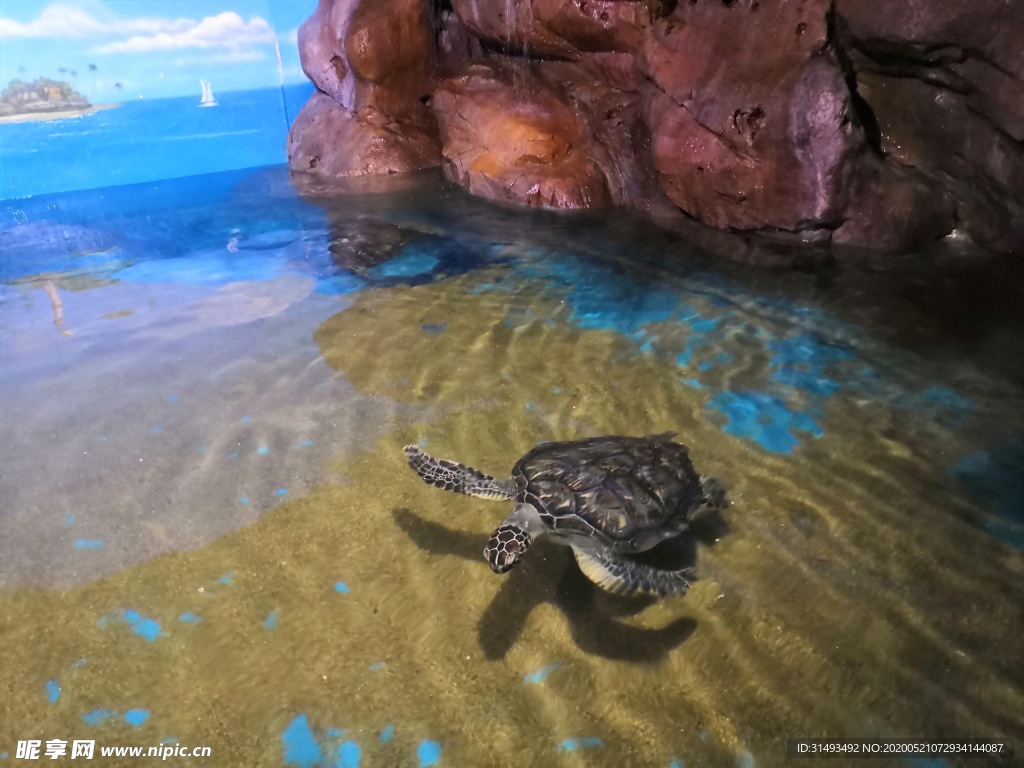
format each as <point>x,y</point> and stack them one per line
<point>702,324</point>
<point>348,755</point>
<point>263,450</point>
<point>387,734</point>
<point>271,621</point>
<point>98,716</point>
<point>141,625</point>
<point>429,752</point>
<point>995,478</point>
<point>342,587</point>
<point>89,544</point>
<point>541,674</point>
<point>947,398</point>
<point>434,327</point>
<point>411,263</point>
<point>136,717</point>
<point>190,618</point>
<point>304,444</point>
<point>244,499</point>
<point>601,298</point>
<point>281,492</point>
<point>765,419</point>
<point>227,578</point>
<point>377,667</point>
<point>300,746</point>
<point>52,691</point>
<point>803,361</point>
<point>587,742</point>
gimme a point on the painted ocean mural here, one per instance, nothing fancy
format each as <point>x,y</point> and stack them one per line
<point>111,93</point>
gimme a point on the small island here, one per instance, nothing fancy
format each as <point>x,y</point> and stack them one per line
<point>43,99</point>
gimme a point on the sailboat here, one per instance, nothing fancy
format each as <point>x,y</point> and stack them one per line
<point>207,100</point>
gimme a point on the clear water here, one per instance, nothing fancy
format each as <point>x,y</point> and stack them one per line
<point>209,535</point>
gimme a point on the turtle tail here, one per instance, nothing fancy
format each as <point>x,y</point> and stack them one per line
<point>452,476</point>
<point>626,576</point>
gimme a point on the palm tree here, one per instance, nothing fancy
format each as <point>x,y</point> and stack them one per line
<point>92,68</point>
<point>21,70</point>
<point>62,70</point>
<point>73,73</point>
<point>119,87</point>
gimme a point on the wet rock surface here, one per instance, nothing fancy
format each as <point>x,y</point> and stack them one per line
<point>371,65</point>
<point>819,122</point>
<point>517,145</point>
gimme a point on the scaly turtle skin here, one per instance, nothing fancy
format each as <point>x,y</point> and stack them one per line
<point>606,497</point>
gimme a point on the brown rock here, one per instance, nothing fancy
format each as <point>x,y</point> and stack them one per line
<point>596,25</point>
<point>321,50</point>
<point>328,140</point>
<point>989,28</point>
<point>605,92</point>
<point>456,47</point>
<point>518,145</point>
<point>972,47</point>
<point>558,28</point>
<point>894,209</point>
<point>389,48</point>
<point>751,121</point>
<point>935,131</point>
<point>372,62</point>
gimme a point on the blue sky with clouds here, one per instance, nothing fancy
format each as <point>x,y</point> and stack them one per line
<point>153,48</point>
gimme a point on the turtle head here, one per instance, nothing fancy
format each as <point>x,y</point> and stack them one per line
<point>507,544</point>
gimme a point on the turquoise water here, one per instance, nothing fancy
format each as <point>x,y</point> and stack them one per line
<point>207,382</point>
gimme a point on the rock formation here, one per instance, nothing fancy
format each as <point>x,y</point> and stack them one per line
<point>855,122</point>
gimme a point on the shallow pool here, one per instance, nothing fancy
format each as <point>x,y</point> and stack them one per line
<point>210,536</point>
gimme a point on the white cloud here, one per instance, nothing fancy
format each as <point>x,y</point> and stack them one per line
<point>227,57</point>
<point>223,30</point>
<point>227,31</point>
<point>62,20</point>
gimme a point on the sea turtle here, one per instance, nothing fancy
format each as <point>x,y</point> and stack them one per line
<point>606,497</point>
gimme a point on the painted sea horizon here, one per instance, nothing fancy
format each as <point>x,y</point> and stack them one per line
<point>148,140</point>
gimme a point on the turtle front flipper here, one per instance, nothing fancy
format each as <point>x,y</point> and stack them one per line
<point>452,476</point>
<point>624,576</point>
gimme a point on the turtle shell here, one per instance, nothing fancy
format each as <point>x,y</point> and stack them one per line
<point>630,492</point>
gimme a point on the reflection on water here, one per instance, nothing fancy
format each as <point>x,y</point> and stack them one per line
<point>210,535</point>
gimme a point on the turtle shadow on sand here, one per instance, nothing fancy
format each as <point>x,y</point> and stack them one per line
<point>551,575</point>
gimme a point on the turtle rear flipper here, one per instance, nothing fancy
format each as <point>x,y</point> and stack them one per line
<point>452,476</point>
<point>624,576</point>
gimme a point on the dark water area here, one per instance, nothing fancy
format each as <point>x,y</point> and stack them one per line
<point>209,535</point>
